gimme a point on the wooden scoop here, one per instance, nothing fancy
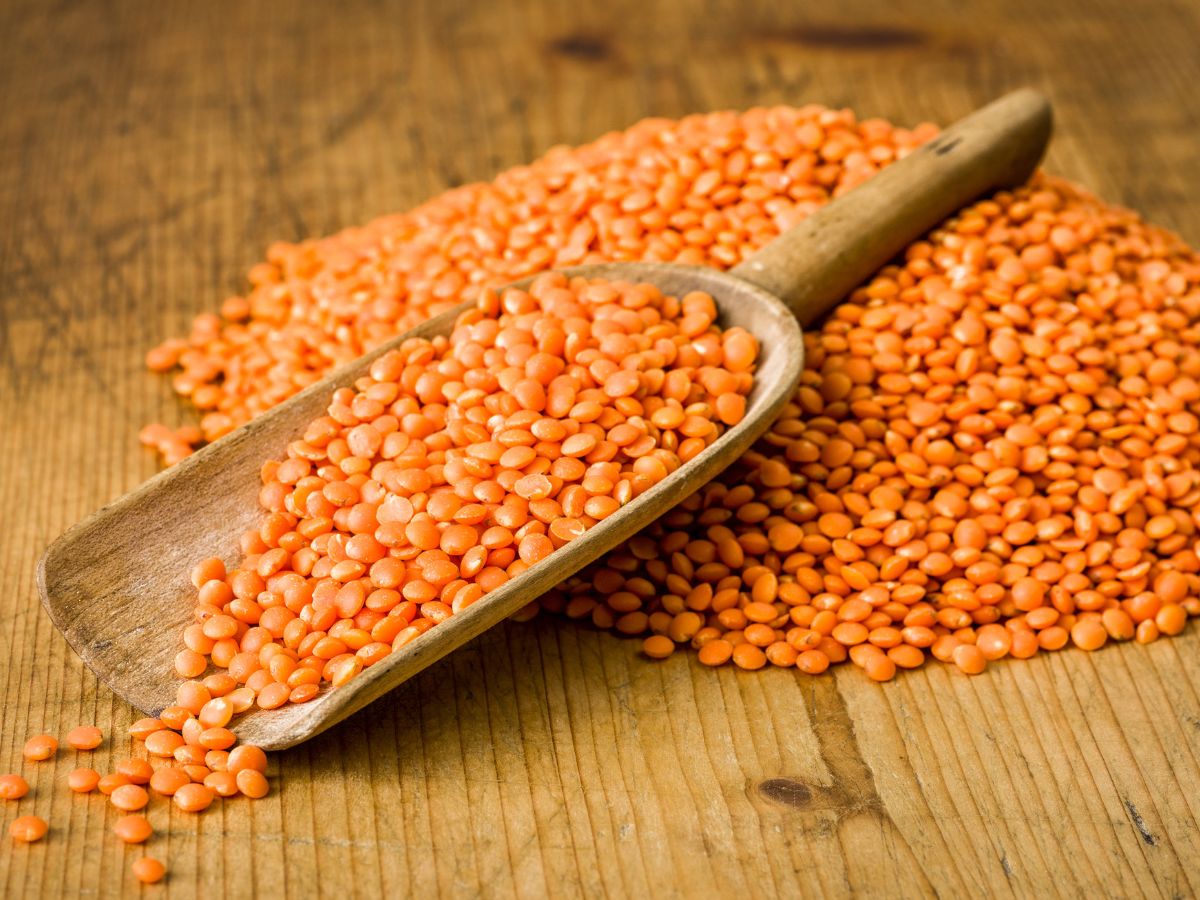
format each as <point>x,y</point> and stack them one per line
<point>117,584</point>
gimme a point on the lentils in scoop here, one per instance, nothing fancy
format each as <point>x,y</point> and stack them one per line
<point>455,465</point>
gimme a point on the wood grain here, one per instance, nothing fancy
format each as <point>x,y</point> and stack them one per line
<point>148,154</point>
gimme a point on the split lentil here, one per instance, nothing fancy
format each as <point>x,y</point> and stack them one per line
<point>83,781</point>
<point>28,829</point>
<point>85,737</point>
<point>112,781</point>
<point>138,771</point>
<point>194,797</point>
<point>133,829</point>
<point>148,870</point>
<point>129,797</point>
<point>40,748</point>
<point>13,787</point>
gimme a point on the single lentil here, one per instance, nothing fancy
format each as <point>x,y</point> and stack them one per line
<point>112,781</point>
<point>28,829</point>
<point>148,870</point>
<point>13,787</point>
<point>138,771</point>
<point>168,780</point>
<point>133,829</point>
<point>129,797</point>
<point>194,797</point>
<point>83,781</point>
<point>85,737</point>
<point>40,748</point>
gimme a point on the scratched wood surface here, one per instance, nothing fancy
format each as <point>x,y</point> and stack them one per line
<point>148,154</point>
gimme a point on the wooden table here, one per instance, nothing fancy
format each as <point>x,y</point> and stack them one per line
<point>148,154</point>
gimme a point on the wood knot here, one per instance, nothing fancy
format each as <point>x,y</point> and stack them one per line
<point>586,47</point>
<point>787,791</point>
<point>855,37</point>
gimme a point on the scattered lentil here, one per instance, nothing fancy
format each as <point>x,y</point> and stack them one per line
<point>40,748</point>
<point>133,829</point>
<point>148,870</point>
<point>83,781</point>
<point>85,737</point>
<point>13,787</point>
<point>28,829</point>
<point>129,797</point>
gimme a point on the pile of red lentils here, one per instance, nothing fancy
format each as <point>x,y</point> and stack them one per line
<point>992,452</point>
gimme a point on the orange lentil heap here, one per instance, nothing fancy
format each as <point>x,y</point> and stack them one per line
<point>705,190</point>
<point>992,452</point>
<point>456,464</point>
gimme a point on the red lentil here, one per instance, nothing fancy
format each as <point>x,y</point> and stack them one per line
<point>40,748</point>
<point>252,783</point>
<point>246,756</point>
<point>83,781</point>
<point>111,782</point>
<point>168,780</point>
<point>85,737</point>
<point>13,787</point>
<point>28,829</point>
<point>143,727</point>
<point>129,797</point>
<point>138,771</point>
<point>133,829</point>
<point>194,797</point>
<point>223,784</point>
<point>148,870</point>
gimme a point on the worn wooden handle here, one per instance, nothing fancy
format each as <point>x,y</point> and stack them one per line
<point>818,262</point>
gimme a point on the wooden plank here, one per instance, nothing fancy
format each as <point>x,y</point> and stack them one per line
<point>150,152</point>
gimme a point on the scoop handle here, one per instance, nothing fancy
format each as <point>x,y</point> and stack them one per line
<point>817,263</point>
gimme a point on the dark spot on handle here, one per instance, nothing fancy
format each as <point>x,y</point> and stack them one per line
<point>941,148</point>
<point>787,791</point>
<point>852,37</point>
<point>585,47</point>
